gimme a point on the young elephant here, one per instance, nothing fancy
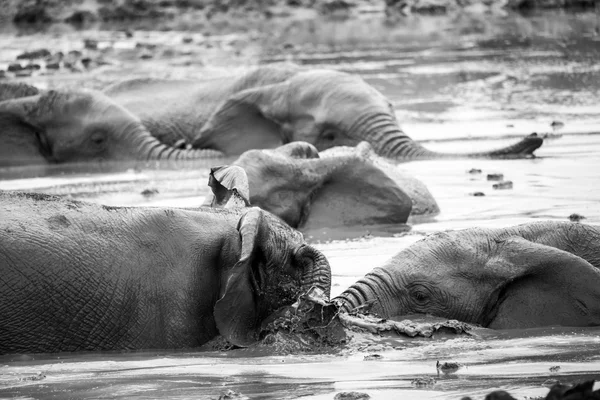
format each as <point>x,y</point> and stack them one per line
<point>536,274</point>
<point>78,276</point>
<point>342,186</point>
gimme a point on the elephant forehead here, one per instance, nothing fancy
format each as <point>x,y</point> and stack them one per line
<point>283,232</point>
<point>334,86</point>
<point>442,251</point>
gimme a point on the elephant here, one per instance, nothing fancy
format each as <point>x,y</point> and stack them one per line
<point>531,275</point>
<point>57,126</point>
<point>79,276</point>
<point>265,107</point>
<point>339,187</point>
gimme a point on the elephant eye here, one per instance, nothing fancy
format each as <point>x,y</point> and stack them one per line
<point>98,138</point>
<point>329,135</point>
<point>420,294</point>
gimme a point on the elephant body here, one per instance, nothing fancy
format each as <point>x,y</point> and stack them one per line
<point>150,119</point>
<point>339,187</point>
<point>78,276</point>
<point>536,274</point>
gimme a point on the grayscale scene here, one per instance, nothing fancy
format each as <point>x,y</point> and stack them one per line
<point>300,199</point>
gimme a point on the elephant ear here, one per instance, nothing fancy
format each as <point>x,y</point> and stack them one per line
<point>236,312</point>
<point>23,134</point>
<point>229,185</point>
<point>541,286</point>
<point>248,119</point>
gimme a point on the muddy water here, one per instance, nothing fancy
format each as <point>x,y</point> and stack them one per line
<point>459,84</point>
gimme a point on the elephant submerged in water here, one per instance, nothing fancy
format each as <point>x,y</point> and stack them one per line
<point>79,276</point>
<point>536,274</point>
<point>339,187</point>
<point>41,127</point>
<point>265,107</point>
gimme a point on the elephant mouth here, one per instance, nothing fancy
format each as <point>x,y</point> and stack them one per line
<point>494,303</point>
<point>312,311</point>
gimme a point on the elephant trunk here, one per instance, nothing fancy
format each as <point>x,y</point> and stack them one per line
<point>374,293</point>
<point>388,140</point>
<point>317,273</point>
<point>149,148</point>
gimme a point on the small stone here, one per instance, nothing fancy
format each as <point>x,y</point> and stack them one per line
<point>503,185</point>
<point>31,55</point>
<point>495,177</point>
<point>474,171</point>
<point>555,368</point>
<point>187,39</point>
<point>56,57</point>
<point>423,382</point>
<point>448,367</point>
<point>32,67</point>
<point>576,217</point>
<point>146,56</point>
<point>288,46</point>
<point>89,44</point>
<point>14,67</point>
<point>149,192</point>
<point>76,53</point>
<point>351,396</point>
<point>477,194</point>
<point>24,73</point>
<point>230,394</point>
<point>86,61</point>
<point>372,357</point>
<point>53,65</point>
<point>556,125</point>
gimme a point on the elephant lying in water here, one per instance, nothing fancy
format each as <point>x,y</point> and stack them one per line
<point>342,186</point>
<point>144,119</point>
<point>536,274</point>
<point>79,276</point>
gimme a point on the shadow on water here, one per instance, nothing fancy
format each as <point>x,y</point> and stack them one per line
<point>459,83</point>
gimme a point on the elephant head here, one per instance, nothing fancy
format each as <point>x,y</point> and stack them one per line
<point>323,107</point>
<point>344,187</point>
<point>63,126</point>
<point>275,266</point>
<point>531,275</point>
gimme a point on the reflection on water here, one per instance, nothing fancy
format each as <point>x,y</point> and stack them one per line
<point>460,83</point>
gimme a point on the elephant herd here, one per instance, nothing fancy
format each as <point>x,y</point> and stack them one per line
<point>316,148</point>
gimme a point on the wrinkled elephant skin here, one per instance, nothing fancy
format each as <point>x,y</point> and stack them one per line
<point>150,119</point>
<point>340,187</point>
<point>78,276</point>
<point>537,274</point>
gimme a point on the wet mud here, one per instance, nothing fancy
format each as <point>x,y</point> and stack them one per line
<point>460,83</point>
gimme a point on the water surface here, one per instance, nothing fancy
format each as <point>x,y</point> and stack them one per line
<point>460,83</point>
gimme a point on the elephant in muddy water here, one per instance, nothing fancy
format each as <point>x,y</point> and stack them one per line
<point>536,274</point>
<point>339,187</point>
<point>262,108</point>
<point>40,127</point>
<point>79,276</point>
